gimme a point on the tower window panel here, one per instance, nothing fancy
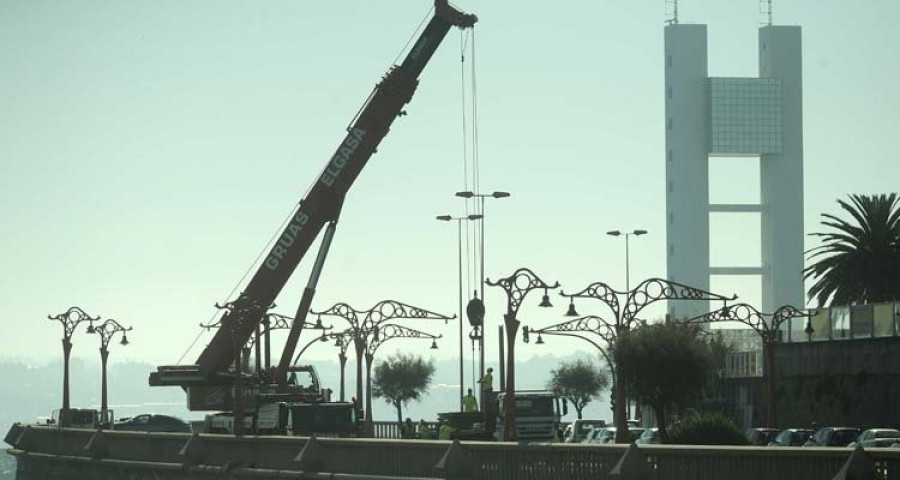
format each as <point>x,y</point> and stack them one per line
<point>745,116</point>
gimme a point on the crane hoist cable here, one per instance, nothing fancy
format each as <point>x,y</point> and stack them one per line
<point>476,169</point>
<point>463,42</point>
<point>415,32</point>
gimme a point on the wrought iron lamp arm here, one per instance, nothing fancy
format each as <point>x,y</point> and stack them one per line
<point>588,324</point>
<point>600,291</point>
<point>391,309</point>
<point>107,329</point>
<point>342,310</point>
<point>70,320</point>
<point>517,287</point>
<point>392,331</point>
<point>603,351</point>
<point>655,289</point>
<point>753,318</point>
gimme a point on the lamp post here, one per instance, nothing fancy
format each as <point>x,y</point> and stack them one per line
<point>380,335</point>
<point>625,315</point>
<point>106,331</point>
<point>767,326</point>
<point>321,339</point>
<point>342,341</point>
<point>516,287</point>
<point>459,220</point>
<point>364,322</point>
<point>276,321</point>
<point>69,320</point>
<point>616,233</point>
<point>477,304</point>
<point>237,314</point>
<point>589,324</point>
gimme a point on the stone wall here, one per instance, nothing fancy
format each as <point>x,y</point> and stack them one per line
<point>837,383</point>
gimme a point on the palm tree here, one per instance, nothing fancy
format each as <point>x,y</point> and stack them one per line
<point>858,261</point>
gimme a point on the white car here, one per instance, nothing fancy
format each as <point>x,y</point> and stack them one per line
<point>578,430</point>
<point>877,437</point>
<point>650,436</point>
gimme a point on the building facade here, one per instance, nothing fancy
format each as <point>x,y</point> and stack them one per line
<point>709,117</point>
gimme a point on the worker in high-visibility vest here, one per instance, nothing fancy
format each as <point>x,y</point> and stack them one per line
<point>470,403</point>
<point>444,431</point>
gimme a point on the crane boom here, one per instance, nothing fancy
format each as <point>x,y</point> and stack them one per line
<point>323,203</point>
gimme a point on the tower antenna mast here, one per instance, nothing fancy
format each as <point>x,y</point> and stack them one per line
<point>672,12</point>
<point>765,11</point>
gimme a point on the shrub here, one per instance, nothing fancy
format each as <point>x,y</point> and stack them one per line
<point>706,429</point>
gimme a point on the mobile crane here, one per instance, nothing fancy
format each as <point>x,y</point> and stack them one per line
<point>208,381</point>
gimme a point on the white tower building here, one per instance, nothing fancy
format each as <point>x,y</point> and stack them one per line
<point>708,117</point>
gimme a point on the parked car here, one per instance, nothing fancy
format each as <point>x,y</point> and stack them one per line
<point>650,436</point>
<point>832,437</point>
<point>578,430</point>
<point>791,437</point>
<point>608,435</point>
<point>877,437</point>
<point>153,423</point>
<point>761,436</point>
<point>591,434</point>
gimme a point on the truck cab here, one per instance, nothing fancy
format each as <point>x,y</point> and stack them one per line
<point>538,415</point>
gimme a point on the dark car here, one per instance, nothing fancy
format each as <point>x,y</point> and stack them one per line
<point>832,437</point>
<point>153,423</point>
<point>791,437</point>
<point>761,436</point>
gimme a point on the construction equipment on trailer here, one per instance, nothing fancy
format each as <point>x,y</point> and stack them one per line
<point>217,378</point>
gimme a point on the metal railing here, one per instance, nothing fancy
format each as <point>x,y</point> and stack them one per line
<point>38,447</point>
<point>390,430</point>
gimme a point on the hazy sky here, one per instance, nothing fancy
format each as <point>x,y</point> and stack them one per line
<point>149,150</point>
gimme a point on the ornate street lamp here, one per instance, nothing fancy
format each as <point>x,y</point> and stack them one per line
<point>69,320</point>
<point>237,314</point>
<point>459,220</point>
<point>516,287</point>
<point>381,335</point>
<point>767,326</point>
<point>106,331</point>
<point>269,323</point>
<point>342,341</point>
<point>364,323</point>
<point>625,315</point>
<point>275,321</point>
<point>589,324</point>
<point>324,337</point>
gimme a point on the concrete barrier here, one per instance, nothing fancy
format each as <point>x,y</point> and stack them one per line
<point>49,452</point>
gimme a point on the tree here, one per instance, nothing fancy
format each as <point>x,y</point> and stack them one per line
<point>859,260</point>
<point>666,363</point>
<point>579,382</point>
<point>400,379</point>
